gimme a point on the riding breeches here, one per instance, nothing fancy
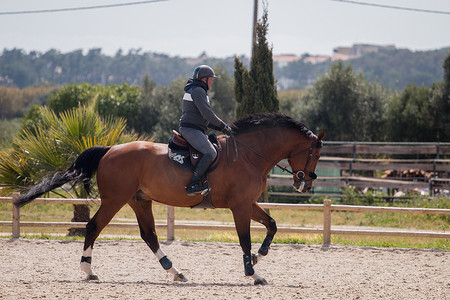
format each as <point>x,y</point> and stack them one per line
<point>199,141</point>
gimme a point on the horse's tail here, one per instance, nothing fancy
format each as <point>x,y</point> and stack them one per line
<point>80,171</point>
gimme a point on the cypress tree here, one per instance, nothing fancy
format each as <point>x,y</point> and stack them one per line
<point>255,90</point>
<point>445,135</point>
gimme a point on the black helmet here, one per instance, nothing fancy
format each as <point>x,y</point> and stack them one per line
<point>202,72</point>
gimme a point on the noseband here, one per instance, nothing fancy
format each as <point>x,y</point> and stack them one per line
<point>300,174</point>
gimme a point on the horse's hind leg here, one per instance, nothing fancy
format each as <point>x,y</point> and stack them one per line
<point>259,215</point>
<point>93,228</point>
<point>144,214</point>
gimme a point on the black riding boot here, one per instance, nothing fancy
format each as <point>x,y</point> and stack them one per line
<point>195,187</point>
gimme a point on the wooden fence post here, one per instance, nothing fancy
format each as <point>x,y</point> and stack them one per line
<point>170,223</point>
<point>326,221</point>
<point>15,218</point>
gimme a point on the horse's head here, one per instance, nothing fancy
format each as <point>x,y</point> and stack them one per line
<point>303,164</point>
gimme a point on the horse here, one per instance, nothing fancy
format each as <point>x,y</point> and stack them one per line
<point>140,173</point>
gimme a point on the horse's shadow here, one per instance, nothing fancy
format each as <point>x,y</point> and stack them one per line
<point>171,284</point>
<point>186,284</point>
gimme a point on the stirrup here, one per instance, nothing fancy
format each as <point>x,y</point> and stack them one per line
<point>195,189</point>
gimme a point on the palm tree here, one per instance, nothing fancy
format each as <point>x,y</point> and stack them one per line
<point>53,145</point>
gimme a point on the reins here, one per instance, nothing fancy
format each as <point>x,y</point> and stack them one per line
<point>298,174</point>
<point>235,151</point>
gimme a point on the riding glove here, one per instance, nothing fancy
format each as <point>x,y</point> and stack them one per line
<point>227,130</point>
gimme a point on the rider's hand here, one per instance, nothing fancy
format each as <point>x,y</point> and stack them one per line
<point>227,130</point>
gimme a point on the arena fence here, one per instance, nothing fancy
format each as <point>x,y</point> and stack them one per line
<point>359,164</point>
<point>171,225</point>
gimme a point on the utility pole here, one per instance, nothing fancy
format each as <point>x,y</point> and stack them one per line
<point>255,20</point>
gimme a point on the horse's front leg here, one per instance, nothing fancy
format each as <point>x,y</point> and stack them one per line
<point>242,217</point>
<point>260,216</point>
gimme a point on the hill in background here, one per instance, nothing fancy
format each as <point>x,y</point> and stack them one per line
<point>392,68</point>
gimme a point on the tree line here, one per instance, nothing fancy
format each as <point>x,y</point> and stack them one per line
<point>355,109</point>
<point>21,69</point>
<point>392,69</point>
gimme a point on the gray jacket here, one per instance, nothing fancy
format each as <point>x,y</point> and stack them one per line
<point>196,108</point>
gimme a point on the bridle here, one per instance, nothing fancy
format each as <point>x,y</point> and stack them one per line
<point>300,175</point>
<point>312,175</point>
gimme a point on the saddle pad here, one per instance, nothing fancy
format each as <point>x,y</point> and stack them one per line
<point>180,156</point>
<point>186,157</point>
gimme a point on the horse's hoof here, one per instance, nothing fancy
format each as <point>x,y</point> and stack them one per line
<point>179,277</point>
<point>92,277</point>
<point>258,279</point>
<point>260,282</point>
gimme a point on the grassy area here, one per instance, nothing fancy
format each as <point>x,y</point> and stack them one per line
<point>8,129</point>
<point>299,218</point>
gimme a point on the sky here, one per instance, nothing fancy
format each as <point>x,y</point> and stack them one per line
<point>221,28</point>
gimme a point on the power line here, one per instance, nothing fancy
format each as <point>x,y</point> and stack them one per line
<point>154,1</point>
<point>78,8</point>
<point>395,7</point>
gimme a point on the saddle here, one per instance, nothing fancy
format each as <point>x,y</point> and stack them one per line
<point>183,155</point>
<point>186,157</point>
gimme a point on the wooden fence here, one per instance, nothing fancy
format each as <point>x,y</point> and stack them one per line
<point>171,225</point>
<point>352,159</point>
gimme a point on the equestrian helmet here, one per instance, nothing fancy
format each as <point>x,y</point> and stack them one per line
<point>202,72</point>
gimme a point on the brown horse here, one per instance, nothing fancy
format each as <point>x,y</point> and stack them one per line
<point>139,173</point>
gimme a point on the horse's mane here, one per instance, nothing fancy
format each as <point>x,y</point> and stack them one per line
<point>268,120</point>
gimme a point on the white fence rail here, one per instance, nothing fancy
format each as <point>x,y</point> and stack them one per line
<point>171,225</point>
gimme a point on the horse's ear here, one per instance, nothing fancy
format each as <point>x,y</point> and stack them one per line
<point>321,135</point>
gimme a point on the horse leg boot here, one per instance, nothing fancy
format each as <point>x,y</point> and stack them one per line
<point>194,187</point>
<point>248,267</point>
<point>259,215</point>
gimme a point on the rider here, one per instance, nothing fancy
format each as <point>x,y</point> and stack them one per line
<point>196,117</point>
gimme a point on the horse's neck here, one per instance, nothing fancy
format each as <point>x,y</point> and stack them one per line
<point>268,145</point>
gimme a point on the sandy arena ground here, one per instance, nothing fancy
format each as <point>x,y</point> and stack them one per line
<point>35,269</point>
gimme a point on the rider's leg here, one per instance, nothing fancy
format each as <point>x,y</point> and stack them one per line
<point>199,141</point>
<point>195,187</point>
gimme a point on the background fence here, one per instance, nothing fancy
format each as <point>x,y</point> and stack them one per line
<point>389,166</point>
<point>171,224</point>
